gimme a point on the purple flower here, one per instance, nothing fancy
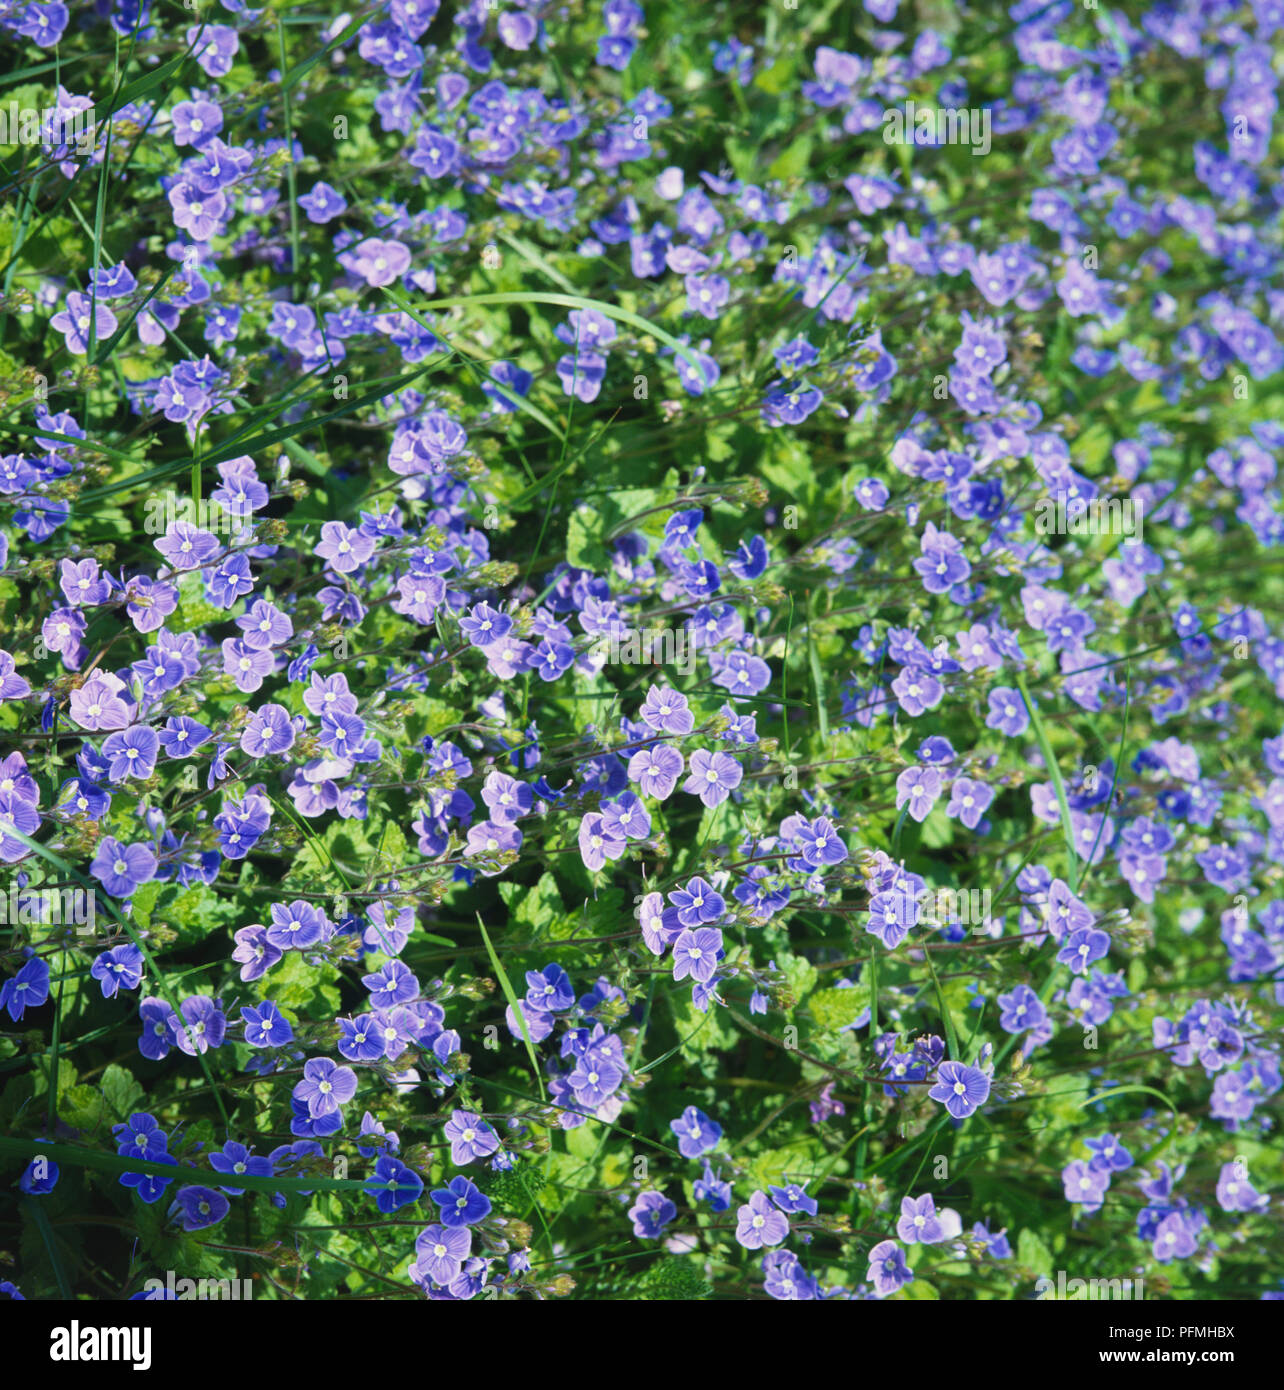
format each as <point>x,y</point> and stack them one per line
<point>246,666</point>
<point>461,1203</point>
<point>921,1224</point>
<point>666,711</point>
<point>379,263</point>
<point>656,770</point>
<point>187,547</point>
<point>28,989</point>
<point>713,776</point>
<point>961,1089</point>
<point>1021,1009</point>
<point>758,1223</point>
<point>131,752</point>
<point>199,1025</point>
<point>265,1025</point>
<point>820,844</point>
<point>696,1132</point>
<point>323,203</point>
<point>1173,1239</point>
<point>269,732</point>
<point>969,801</point>
<point>470,1137</point>
<point>254,953</point>
<point>888,1271</point>
<point>122,868</point>
<point>696,953</point>
<point>1082,948</point>
<point>198,1207</point>
<point>195,212</point>
<point>294,925</point>
<point>158,1032</point>
<point>196,122</point>
<point>440,1252</point>
<point>98,704</point>
<point>918,788</point>
<point>80,319</point>
<point>697,904</point>
<point>16,813</point>
<point>1008,713</point>
<point>597,845</point>
<point>325,1087</point>
<point>119,968</point>
<point>343,548</point>
<point>650,1214</point>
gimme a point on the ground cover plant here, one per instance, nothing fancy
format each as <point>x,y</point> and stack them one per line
<point>640,650</point>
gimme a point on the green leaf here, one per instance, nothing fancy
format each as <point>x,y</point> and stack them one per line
<point>834,1009</point>
<point>507,987</point>
<point>120,1091</point>
<point>1036,1256</point>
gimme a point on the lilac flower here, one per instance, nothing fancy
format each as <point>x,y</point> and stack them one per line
<point>1085,1184</point>
<point>597,845</point>
<point>265,1026</point>
<point>343,548</point>
<point>695,953</point>
<point>82,319</point>
<point>98,704</point>
<point>1020,1009</point>
<point>969,800</point>
<point>920,1222</point>
<point>122,868</point>
<point>961,1089</point>
<point>196,122</point>
<point>470,1137</point>
<point>888,1271</point>
<point>1008,713</point>
<point>440,1252</point>
<point>131,752</point>
<point>198,1207</point>
<point>28,989</point>
<point>712,776</point>
<point>199,1025</point>
<point>269,732</point>
<point>650,1214</point>
<point>121,967</point>
<point>759,1223</point>
<point>379,263</point>
<point>325,1087</point>
<point>918,788</point>
<point>696,1132</point>
<point>697,904</point>
<point>322,203</point>
<point>656,770</point>
<point>16,814</point>
<point>1173,1239</point>
<point>667,712</point>
<point>461,1203</point>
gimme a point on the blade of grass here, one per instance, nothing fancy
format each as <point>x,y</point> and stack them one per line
<point>574,301</point>
<point>507,987</point>
<point>1050,761</point>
